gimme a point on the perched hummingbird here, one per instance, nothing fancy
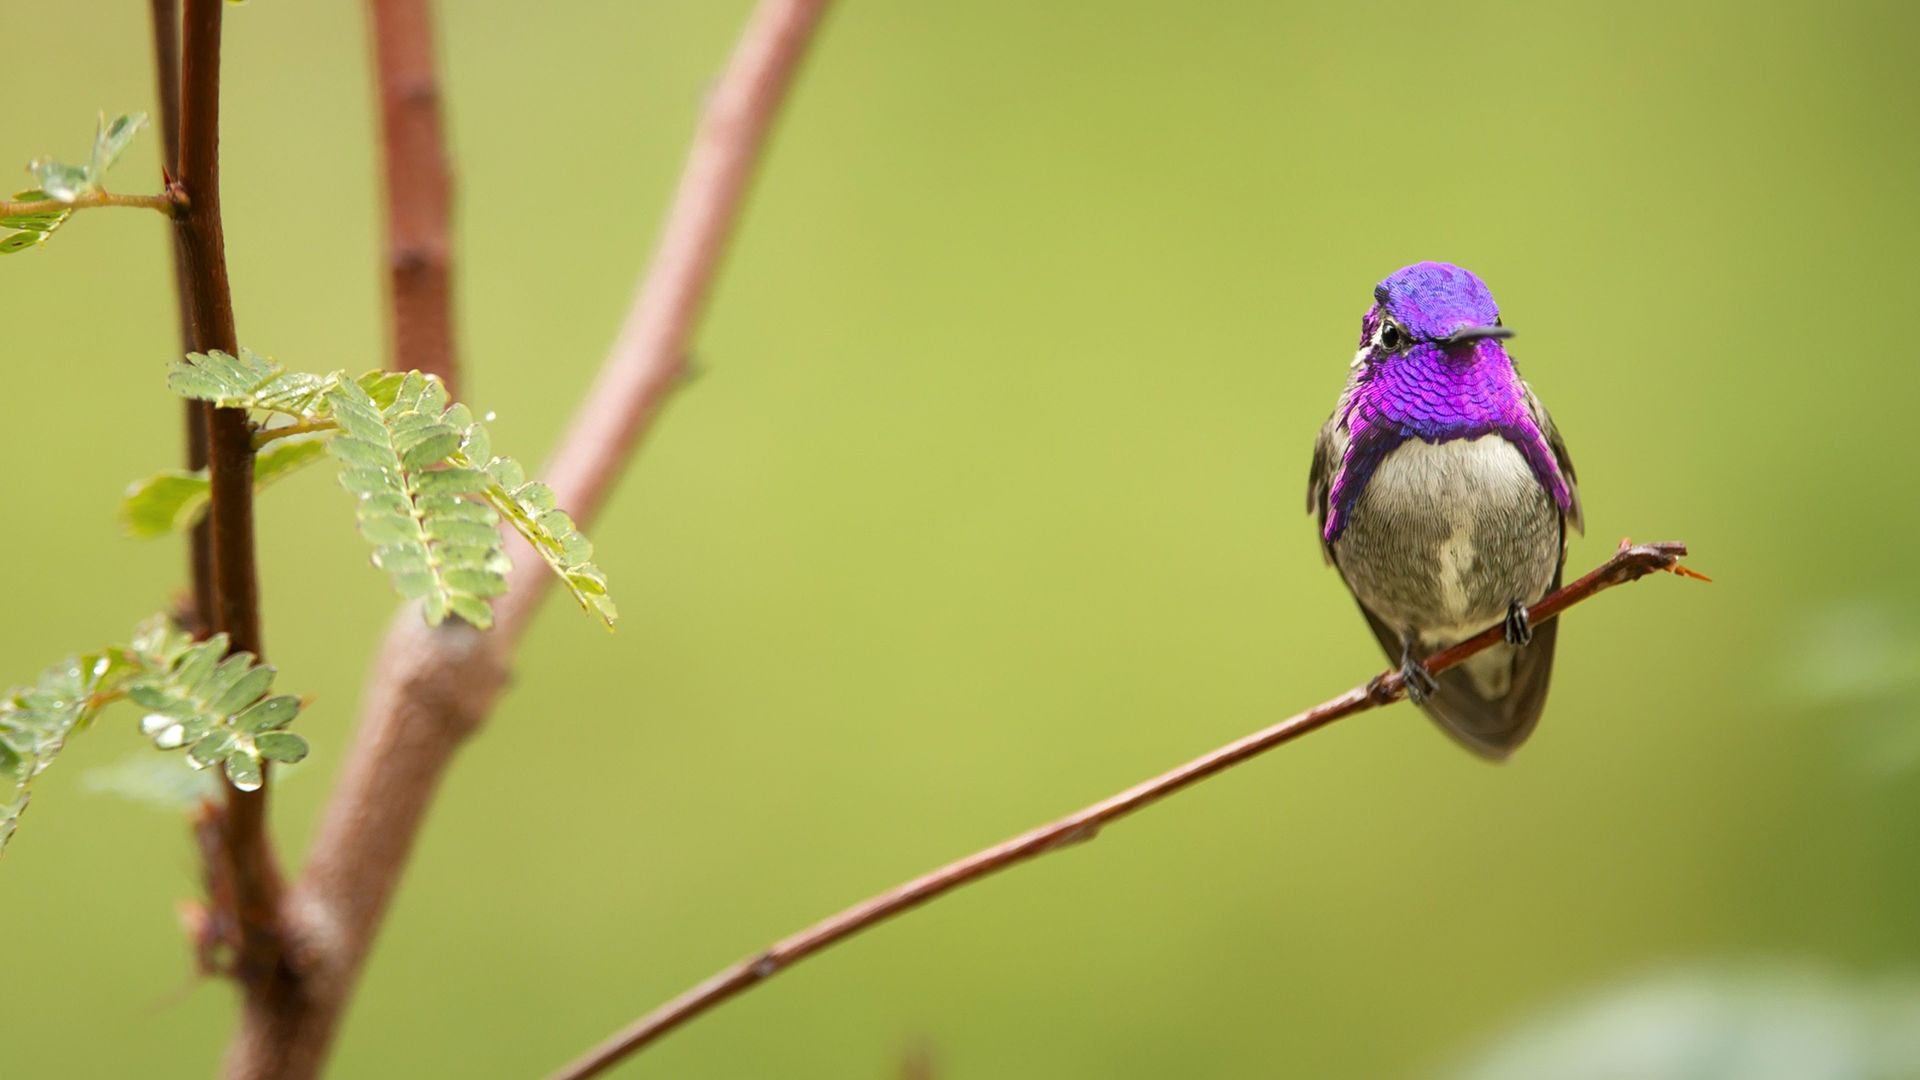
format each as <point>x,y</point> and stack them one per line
<point>1444,495</point>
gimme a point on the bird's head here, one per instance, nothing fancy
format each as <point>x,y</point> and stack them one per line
<point>1431,311</point>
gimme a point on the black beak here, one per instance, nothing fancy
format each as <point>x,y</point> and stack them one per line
<point>1474,333</point>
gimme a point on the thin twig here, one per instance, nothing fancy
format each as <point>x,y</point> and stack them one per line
<point>263,436</point>
<point>166,73</point>
<point>259,960</point>
<point>419,188</point>
<point>1627,564</point>
<point>434,687</point>
<point>89,200</point>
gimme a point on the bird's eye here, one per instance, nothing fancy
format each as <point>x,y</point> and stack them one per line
<point>1392,337</point>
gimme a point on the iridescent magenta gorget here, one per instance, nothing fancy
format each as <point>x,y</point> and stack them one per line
<point>1431,388</point>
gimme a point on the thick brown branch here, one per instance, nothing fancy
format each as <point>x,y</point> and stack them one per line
<point>419,188</point>
<point>433,687</point>
<point>1627,564</point>
<point>259,957</point>
<point>166,73</point>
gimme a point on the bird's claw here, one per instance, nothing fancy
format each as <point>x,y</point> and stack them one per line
<point>1518,629</point>
<point>1416,678</point>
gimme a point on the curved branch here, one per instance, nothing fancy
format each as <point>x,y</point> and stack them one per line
<point>434,686</point>
<point>1629,563</point>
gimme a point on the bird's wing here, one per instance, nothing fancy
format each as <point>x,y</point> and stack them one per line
<point>1328,450</point>
<point>1544,421</point>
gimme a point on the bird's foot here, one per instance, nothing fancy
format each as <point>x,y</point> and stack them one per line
<point>1415,676</point>
<point>1518,629</point>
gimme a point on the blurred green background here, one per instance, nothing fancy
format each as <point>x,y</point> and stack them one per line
<point>988,502</point>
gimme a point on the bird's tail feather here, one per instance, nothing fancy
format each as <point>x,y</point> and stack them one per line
<point>1492,726</point>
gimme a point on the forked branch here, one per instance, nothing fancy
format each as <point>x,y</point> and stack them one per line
<point>1629,563</point>
<point>433,687</point>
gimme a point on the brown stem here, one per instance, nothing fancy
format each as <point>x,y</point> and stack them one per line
<point>1628,564</point>
<point>433,687</point>
<point>419,188</point>
<point>260,961</point>
<point>166,72</point>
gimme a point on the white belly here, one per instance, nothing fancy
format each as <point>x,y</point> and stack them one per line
<point>1462,483</point>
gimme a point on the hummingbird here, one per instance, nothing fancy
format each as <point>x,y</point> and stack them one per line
<point>1444,494</point>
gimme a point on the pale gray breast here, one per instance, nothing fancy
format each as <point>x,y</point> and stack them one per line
<point>1446,535</point>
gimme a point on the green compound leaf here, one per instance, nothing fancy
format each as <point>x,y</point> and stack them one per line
<point>176,500</point>
<point>194,693</point>
<point>432,529</point>
<point>529,507</point>
<point>212,703</point>
<point>431,491</point>
<point>250,381</point>
<point>35,722</point>
<point>65,183</point>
